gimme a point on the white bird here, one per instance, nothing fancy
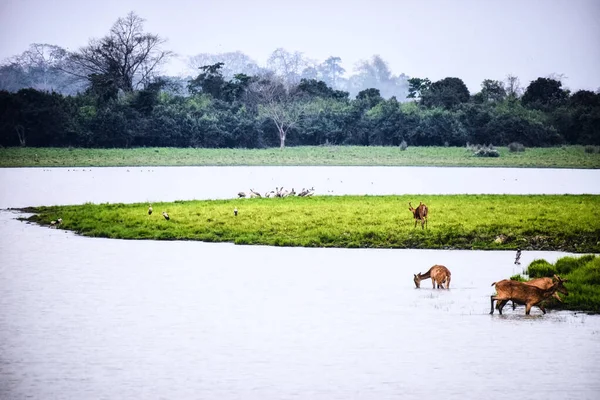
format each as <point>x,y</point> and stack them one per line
<point>166,215</point>
<point>235,212</point>
<point>150,210</point>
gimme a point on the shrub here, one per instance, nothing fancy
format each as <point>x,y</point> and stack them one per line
<point>518,278</point>
<point>540,269</point>
<point>403,145</point>
<point>516,147</point>
<point>486,151</point>
<point>592,149</point>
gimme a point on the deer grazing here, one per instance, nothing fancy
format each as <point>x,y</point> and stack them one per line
<point>523,293</point>
<point>439,275</point>
<point>420,214</point>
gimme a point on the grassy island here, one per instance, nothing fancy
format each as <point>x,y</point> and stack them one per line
<point>536,222</point>
<point>553,157</point>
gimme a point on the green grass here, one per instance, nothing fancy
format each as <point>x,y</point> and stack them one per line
<point>583,275</point>
<point>556,157</point>
<point>541,222</point>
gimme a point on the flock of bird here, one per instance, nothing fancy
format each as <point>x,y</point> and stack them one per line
<point>278,192</point>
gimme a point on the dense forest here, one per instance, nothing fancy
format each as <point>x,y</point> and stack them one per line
<point>110,93</point>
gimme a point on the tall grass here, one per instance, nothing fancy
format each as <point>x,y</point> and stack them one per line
<point>556,157</point>
<point>583,276</point>
<point>455,221</point>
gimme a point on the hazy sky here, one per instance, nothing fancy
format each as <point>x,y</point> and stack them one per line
<point>470,39</point>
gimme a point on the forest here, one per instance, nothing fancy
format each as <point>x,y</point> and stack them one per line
<point>111,94</point>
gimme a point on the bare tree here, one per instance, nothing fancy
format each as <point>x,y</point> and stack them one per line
<point>513,86</point>
<point>288,66</point>
<point>278,104</point>
<point>126,55</point>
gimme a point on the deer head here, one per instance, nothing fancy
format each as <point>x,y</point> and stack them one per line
<point>417,280</point>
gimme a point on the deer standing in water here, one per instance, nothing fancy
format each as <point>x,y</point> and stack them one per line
<point>522,293</point>
<point>439,275</point>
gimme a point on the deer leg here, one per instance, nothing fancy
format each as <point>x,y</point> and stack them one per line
<point>542,308</point>
<point>500,305</point>
<point>492,298</point>
<point>527,309</point>
<point>514,305</point>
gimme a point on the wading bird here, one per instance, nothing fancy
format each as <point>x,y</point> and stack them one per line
<point>235,212</point>
<point>150,210</point>
<point>166,215</point>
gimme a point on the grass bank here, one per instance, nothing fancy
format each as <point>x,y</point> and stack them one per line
<point>556,157</point>
<point>541,222</point>
<point>583,275</point>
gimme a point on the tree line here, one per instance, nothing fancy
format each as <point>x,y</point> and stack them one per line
<point>122,101</point>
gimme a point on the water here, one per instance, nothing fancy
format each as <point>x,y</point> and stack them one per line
<point>23,187</point>
<point>86,318</point>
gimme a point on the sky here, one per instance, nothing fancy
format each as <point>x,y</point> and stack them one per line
<point>469,39</point>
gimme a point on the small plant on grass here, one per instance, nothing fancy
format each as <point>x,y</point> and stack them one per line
<point>516,147</point>
<point>486,151</point>
<point>403,145</point>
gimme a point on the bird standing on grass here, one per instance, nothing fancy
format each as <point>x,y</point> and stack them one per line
<point>235,211</point>
<point>166,215</point>
<point>150,210</point>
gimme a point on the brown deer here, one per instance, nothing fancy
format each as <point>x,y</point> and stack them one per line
<point>439,275</point>
<point>542,283</point>
<point>420,214</point>
<point>523,293</point>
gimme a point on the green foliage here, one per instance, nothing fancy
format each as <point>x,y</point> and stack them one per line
<point>540,269</point>
<point>460,222</point>
<point>447,93</point>
<point>583,281</point>
<point>544,94</point>
<point>518,278</point>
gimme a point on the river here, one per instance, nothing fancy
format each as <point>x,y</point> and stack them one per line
<point>89,318</point>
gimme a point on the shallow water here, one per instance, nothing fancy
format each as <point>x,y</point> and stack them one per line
<point>87,318</point>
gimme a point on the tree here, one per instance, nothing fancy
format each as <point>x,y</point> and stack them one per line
<point>127,55</point>
<point>288,66</point>
<point>314,88</point>
<point>417,86</point>
<point>377,74</point>
<point>447,93</point>
<point>513,87</point>
<point>233,63</point>
<point>544,94</point>
<point>492,91</point>
<point>280,106</point>
<point>331,71</point>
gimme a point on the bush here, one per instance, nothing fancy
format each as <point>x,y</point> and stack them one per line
<point>591,149</point>
<point>540,269</point>
<point>403,145</point>
<point>516,147</point>
<point>486,151</point>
